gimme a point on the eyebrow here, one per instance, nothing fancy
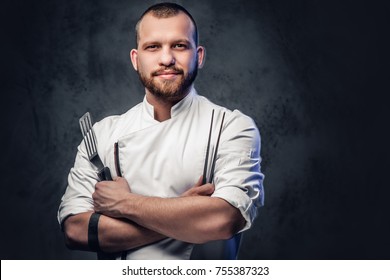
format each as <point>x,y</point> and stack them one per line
<point>182,41</point>
<point>186,41</point>
<point>149,43</point>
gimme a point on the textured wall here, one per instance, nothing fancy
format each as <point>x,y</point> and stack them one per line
<point>303,70</point>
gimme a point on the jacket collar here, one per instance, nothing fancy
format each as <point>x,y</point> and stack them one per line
<point>181,106</point>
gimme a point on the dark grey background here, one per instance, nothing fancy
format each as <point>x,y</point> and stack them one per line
<point>308,72</point>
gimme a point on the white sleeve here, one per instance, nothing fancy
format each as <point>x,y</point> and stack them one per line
<point>81,184</point>
<point>83,177</point>
<point>237,177</point>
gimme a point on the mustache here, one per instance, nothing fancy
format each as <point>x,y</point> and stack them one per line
<point>171,69</point>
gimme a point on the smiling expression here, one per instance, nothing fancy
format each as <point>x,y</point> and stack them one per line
<point>167,58</point>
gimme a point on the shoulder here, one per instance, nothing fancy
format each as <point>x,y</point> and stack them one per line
<point>111,123</point>
<point>238,125</point>
<point>205,104</point>
<point>238,121</point>
<point>234,119</point>
<point>111,128</point>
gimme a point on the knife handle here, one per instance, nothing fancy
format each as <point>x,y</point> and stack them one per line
<point>105,174</point>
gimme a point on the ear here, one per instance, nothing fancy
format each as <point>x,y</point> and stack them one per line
<point>201,54</point>
<point>133,58</point>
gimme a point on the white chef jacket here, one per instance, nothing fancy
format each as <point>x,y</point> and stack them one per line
<point>165,159</point>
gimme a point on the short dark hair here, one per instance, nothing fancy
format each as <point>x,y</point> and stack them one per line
<point>166,10</point>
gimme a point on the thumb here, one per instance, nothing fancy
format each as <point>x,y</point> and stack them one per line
<point>205,190</point>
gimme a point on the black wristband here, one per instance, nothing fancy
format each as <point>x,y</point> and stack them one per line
<point>93,239</point>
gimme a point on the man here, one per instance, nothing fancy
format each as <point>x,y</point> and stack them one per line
<point>160,204</point>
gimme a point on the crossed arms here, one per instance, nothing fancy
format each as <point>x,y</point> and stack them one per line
<point>130,220</point>
<point>199,215</point>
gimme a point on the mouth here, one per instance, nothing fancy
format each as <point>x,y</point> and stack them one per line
<point>167,74</point>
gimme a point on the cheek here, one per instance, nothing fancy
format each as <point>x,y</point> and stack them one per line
<point>188,62</point>
<point>145,64</point>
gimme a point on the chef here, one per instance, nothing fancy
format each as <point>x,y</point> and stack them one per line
<point>186,171</point>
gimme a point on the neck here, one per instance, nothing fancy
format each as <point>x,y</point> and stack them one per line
<point>162,106</point>
<point>162,109</point>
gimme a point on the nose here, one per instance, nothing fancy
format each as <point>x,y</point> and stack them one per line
<point>167,58</point>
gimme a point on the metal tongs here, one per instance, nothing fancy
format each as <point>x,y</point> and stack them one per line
<point>214,156</point>
<point>104,173</point>
<point>90,142</point>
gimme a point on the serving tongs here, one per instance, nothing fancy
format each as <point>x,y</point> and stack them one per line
<point>214,156</point>
<point>90,142</point>
<point>104,173</point>
<point>217,249</point>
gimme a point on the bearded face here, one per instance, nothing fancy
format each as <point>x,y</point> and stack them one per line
<point>170,88</point>
<point>167,57</point>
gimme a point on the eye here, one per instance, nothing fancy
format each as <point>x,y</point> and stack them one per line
<point>151,47</point>
<point>180,46</point>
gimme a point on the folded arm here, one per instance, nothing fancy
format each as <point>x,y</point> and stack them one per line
<point>115,235</point>
<point>190,219</point>
<point>195,219</point>
<point>118,234</point>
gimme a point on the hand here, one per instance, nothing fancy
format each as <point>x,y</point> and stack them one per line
<point>200,190</point>
<point>109,197</point>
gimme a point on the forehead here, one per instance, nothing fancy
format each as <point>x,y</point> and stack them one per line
<point>176,27</point>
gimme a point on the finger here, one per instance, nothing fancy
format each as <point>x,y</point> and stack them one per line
<point>95,207</point>
<point>206,189</point>
<point>101,184</point>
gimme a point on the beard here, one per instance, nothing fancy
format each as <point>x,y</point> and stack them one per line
<point>169,89</point>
